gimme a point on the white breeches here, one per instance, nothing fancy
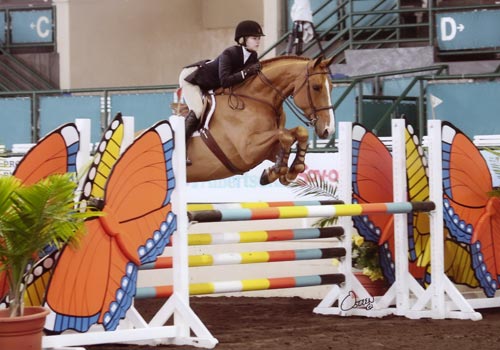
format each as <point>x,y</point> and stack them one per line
<point>192,93</point>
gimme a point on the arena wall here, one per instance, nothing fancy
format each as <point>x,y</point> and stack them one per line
<point>110,42</point>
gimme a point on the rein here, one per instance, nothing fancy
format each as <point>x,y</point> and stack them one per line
<point>308,119</point>
<point>241,105</point>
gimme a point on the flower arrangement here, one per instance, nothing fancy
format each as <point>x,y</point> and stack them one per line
<point>365,257</point>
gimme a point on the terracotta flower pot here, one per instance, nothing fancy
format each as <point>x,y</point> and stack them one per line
<point>23,332</point>
<point>375,288</point>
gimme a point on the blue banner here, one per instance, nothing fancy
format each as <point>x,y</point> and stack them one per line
<point>33,26</point>
<point>468,30</point>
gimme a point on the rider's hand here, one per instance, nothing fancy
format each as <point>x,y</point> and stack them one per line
<point>251,70</point>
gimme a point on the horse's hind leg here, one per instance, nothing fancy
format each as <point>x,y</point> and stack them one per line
<point>298,166</point>
<point>280,167</point>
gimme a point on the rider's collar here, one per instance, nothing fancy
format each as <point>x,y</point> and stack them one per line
<point>246,54</point>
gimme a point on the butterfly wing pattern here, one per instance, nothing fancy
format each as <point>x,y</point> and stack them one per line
<point>417,178</point>
<point>53,154</point>
<point>372,183</point>
<point>106,155</point>
<point>470,214</point>
<point>458,263</point>
<point>96,282</point>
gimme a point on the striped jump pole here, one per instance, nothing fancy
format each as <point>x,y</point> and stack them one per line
<point>335,210</point>
<point>243,285</point>
<point>260,236</point>
<point>216,206</point>
<point>165,262</point>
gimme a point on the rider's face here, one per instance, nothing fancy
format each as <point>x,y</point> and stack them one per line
<point>252,43</point>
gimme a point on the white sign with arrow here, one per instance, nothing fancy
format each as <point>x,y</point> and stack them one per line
<point>449,23</point>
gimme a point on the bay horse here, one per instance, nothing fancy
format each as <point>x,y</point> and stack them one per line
<point>248,124</point>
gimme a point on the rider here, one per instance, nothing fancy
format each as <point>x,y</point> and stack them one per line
<point>232,66</point>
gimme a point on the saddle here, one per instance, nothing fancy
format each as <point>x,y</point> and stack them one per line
<point>209,104</point>
<point>182,109</point>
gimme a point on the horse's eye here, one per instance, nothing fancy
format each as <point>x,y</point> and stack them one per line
<point>316,87</point>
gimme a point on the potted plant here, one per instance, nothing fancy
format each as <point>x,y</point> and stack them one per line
<point>365,257</point>
<point>33,218</point>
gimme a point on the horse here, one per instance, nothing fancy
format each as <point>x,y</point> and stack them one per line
<point>247,126</point>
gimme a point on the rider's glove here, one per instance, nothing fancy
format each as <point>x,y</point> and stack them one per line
<point>251,70</point>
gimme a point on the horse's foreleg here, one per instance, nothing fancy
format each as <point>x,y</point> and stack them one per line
<point>298,166</point>
<point>280,167</point>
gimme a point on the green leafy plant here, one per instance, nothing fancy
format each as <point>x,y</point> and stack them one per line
<point>364,254</point>
<point>33,217</point>
<point>365,257</point>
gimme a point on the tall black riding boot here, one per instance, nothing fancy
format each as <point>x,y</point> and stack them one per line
<point>191,124</point>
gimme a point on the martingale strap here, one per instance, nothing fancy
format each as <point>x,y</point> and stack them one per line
<point>207,137</point>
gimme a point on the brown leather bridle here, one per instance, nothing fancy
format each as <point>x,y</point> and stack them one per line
<point>312,117</point>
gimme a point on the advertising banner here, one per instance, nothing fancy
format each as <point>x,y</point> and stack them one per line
<point>246,187</point>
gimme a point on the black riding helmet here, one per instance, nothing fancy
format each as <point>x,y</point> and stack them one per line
<point>247,28</point>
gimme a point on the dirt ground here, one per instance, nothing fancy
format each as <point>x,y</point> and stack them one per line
<point>250,323</point>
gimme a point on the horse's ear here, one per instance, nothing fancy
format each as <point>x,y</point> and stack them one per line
<point>328,61</point>
<point>317,61</point>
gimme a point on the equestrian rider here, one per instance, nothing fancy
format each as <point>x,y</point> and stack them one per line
<point>232,66</point>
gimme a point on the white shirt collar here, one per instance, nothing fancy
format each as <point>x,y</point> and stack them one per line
<point>246,54</point>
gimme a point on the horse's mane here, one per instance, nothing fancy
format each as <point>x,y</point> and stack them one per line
<point>283,58</point>
<point>279,59</point>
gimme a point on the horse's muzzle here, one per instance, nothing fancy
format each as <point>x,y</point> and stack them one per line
<point>323,130</point>
<point>324,135</point>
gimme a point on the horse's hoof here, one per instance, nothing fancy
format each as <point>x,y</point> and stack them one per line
<point>264,178</point>
<point>267,177</point>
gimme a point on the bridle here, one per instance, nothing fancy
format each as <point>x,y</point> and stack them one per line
<point>309,119</point>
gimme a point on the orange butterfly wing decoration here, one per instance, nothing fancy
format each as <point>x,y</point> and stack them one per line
<point>96,282</point>
<point>372,183</point>
<point>106,155</point>
<point>53,154</point>
<point>471,216</point>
